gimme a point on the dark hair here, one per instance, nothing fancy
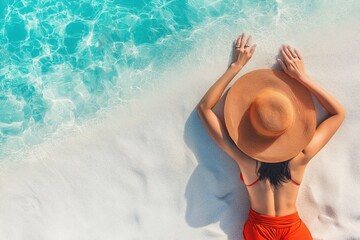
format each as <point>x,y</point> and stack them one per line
<point>275,172</point>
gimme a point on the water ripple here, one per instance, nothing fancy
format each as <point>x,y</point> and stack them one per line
<point>64,61</point>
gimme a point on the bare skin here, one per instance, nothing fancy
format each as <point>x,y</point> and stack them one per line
<point>263,198</point>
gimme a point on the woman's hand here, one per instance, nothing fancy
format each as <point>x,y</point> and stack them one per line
<point>293,64</point>
<point>243,51</point>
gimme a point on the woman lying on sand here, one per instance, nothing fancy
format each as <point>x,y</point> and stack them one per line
<point>270,131</point>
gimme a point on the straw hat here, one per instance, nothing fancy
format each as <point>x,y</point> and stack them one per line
<point>270,116</point>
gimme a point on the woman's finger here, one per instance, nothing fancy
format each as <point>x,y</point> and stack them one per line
<point>297,53</point>
<point>286,50</point>
<point>282,64</point>
<point>238,41</point>
<point>292,52</point>
<point>285,56</point>
<point>249,41</point>
<point>243,40</point>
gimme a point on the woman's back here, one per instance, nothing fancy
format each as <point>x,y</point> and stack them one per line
<point>270,201</point>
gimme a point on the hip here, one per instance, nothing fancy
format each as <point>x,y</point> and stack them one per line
<point>263,227</point>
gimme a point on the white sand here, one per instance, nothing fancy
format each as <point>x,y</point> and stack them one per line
<point>150,171</point>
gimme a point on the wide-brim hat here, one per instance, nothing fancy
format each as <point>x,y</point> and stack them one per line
<point>269,115</point>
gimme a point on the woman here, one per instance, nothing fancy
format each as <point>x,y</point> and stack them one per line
<point>272,187</point>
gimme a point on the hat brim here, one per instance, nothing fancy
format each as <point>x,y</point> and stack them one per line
<point>265,149</point>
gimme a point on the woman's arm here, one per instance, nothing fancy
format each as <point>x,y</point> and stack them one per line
<point>293,65</point>
<point>215,92</point>
<point>215,127</point>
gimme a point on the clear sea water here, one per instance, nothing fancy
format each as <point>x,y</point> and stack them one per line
<point>63,62</point>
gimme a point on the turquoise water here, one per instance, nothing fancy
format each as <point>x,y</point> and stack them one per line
<point>64,61</point>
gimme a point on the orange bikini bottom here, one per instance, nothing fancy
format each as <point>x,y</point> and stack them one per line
<point>263,227</point>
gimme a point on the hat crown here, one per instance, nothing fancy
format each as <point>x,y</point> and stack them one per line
<point>271,113</point>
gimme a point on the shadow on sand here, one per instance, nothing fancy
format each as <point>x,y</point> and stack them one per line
<point>214,192</point>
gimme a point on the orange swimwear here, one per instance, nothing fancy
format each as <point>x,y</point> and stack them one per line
<point>263,227</point>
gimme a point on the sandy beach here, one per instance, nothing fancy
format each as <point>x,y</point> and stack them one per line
<point>149,170</point>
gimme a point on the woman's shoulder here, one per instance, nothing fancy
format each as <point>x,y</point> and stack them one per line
<point>298,162</point>
<point>297,167</point>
